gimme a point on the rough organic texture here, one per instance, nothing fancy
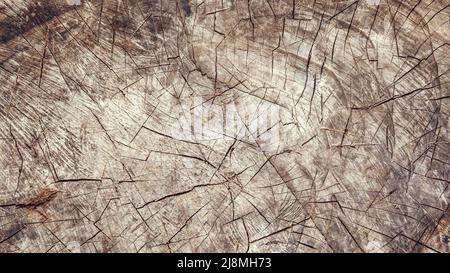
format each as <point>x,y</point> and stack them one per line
<point>358,158</point>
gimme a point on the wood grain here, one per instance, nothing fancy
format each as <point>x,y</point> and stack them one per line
<point>93,93</point>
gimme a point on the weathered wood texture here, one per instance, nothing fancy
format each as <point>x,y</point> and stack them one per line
<point>89,160</point>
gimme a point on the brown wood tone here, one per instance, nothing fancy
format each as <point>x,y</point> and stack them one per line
<point>224,126</point>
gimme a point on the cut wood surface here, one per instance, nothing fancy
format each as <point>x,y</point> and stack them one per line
<point>224,126</point>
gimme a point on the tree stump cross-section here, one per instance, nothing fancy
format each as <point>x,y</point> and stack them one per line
<point>224,126</point>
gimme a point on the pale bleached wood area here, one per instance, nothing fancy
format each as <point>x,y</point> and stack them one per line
<point>224,126</point>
